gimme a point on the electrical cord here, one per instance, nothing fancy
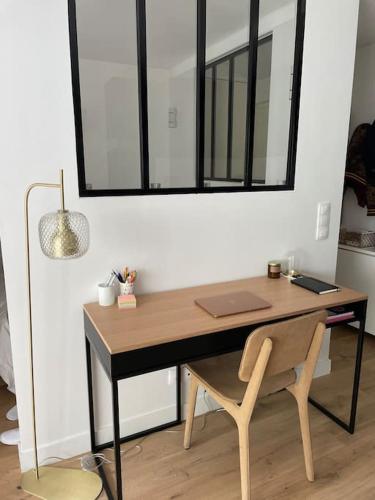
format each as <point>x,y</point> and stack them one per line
<point>210,409</point>
<point>92,461</point>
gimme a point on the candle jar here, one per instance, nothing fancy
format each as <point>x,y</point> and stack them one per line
<point>274,269</point>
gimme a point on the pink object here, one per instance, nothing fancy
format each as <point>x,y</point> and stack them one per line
<point>339,317</point>
<point>127,301</point>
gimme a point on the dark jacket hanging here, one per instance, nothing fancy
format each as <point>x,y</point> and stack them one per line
<point>360,166</point>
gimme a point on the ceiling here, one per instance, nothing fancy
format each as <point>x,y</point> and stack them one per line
<point>107,29</point>
<point>366,23</point>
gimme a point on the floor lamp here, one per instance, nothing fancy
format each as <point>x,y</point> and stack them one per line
<point>63,235</point>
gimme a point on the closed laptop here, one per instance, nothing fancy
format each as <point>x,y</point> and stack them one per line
<point>232,303</point>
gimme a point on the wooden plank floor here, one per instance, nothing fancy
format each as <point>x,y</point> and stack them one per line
<point>9,471</point>
<point>344,464</point>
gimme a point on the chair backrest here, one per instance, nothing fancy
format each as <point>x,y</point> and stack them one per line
<point>291,342</point>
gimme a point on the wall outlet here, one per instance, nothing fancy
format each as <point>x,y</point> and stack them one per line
<point>171,377</point>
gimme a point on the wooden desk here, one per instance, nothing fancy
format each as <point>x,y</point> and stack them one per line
<point>167,329</point>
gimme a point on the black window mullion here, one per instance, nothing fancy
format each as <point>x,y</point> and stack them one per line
<point>296,91</point>
<point>213,122</point>
<point>200,91</point>
<point>142,92</point>
<point>251,91</point>
<point>230,118</point>
<point>141,23</point>
<point>76,87</point>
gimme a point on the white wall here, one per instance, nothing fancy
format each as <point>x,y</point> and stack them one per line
<point>174,241</point>
<point>363,103</point>
<point>363,111</point>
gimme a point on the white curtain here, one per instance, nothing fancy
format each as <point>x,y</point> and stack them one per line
<point>6,364</point>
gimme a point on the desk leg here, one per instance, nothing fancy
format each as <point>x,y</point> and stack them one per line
<point>178,395</point>
<point>94,446</point>
<point>350,427</point>
<point>357,371</point>
<point>90,395</point>
<point>116,438</point>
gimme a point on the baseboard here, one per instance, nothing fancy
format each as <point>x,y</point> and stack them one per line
<point>64,448</point>
<point>79,444</point>
<point>138,423</point>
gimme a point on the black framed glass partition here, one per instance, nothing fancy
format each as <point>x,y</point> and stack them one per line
<point>171,85</point>
<point>184,96</point>
<point>106,94</point>
<point>225,117</point>
<point>274,116</point>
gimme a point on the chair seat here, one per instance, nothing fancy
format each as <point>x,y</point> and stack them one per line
<point>220,374</point>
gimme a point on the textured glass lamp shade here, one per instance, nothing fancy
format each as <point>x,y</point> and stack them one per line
<point>64,234</point>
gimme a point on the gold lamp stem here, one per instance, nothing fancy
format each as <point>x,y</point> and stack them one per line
<point>45,481</point>
<point>31,351</point>
<point>62,189</point>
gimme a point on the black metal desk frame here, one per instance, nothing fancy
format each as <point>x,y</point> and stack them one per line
<point>173,354</point>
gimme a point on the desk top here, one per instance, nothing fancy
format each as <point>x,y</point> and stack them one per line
<point>169,316</point>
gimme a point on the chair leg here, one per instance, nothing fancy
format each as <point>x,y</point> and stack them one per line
<point>303,411</point>
<point>243,432</point>
<point>190,411</point>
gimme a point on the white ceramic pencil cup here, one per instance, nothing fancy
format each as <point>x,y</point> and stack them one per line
<point>106,294</point>
<point>127,288</point>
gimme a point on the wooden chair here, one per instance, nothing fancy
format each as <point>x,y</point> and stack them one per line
<point>265,366</point>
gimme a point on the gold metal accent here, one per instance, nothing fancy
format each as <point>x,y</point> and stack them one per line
<point>53,483</point>
<point>63,234</point>
<point>31,351</point>
<point>62,190</point>
<point>57,483</point>
<point>64,241</point>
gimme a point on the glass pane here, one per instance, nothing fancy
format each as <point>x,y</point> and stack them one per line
<point>171,60</point>
<point>221,121</point>
<point>273,91</point>
<point>240,89</point>
<point>227,27</point>
<point>208,124</point>
<point>107,50</point>
<point>262,110</point>
<point>227,33</point>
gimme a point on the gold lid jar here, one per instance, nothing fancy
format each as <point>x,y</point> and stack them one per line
<point>274,269</point>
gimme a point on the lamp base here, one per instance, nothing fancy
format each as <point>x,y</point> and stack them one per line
<point>57,483</point>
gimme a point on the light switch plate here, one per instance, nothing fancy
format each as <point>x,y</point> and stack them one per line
<point>323,220</point>
<point>325,208</point>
